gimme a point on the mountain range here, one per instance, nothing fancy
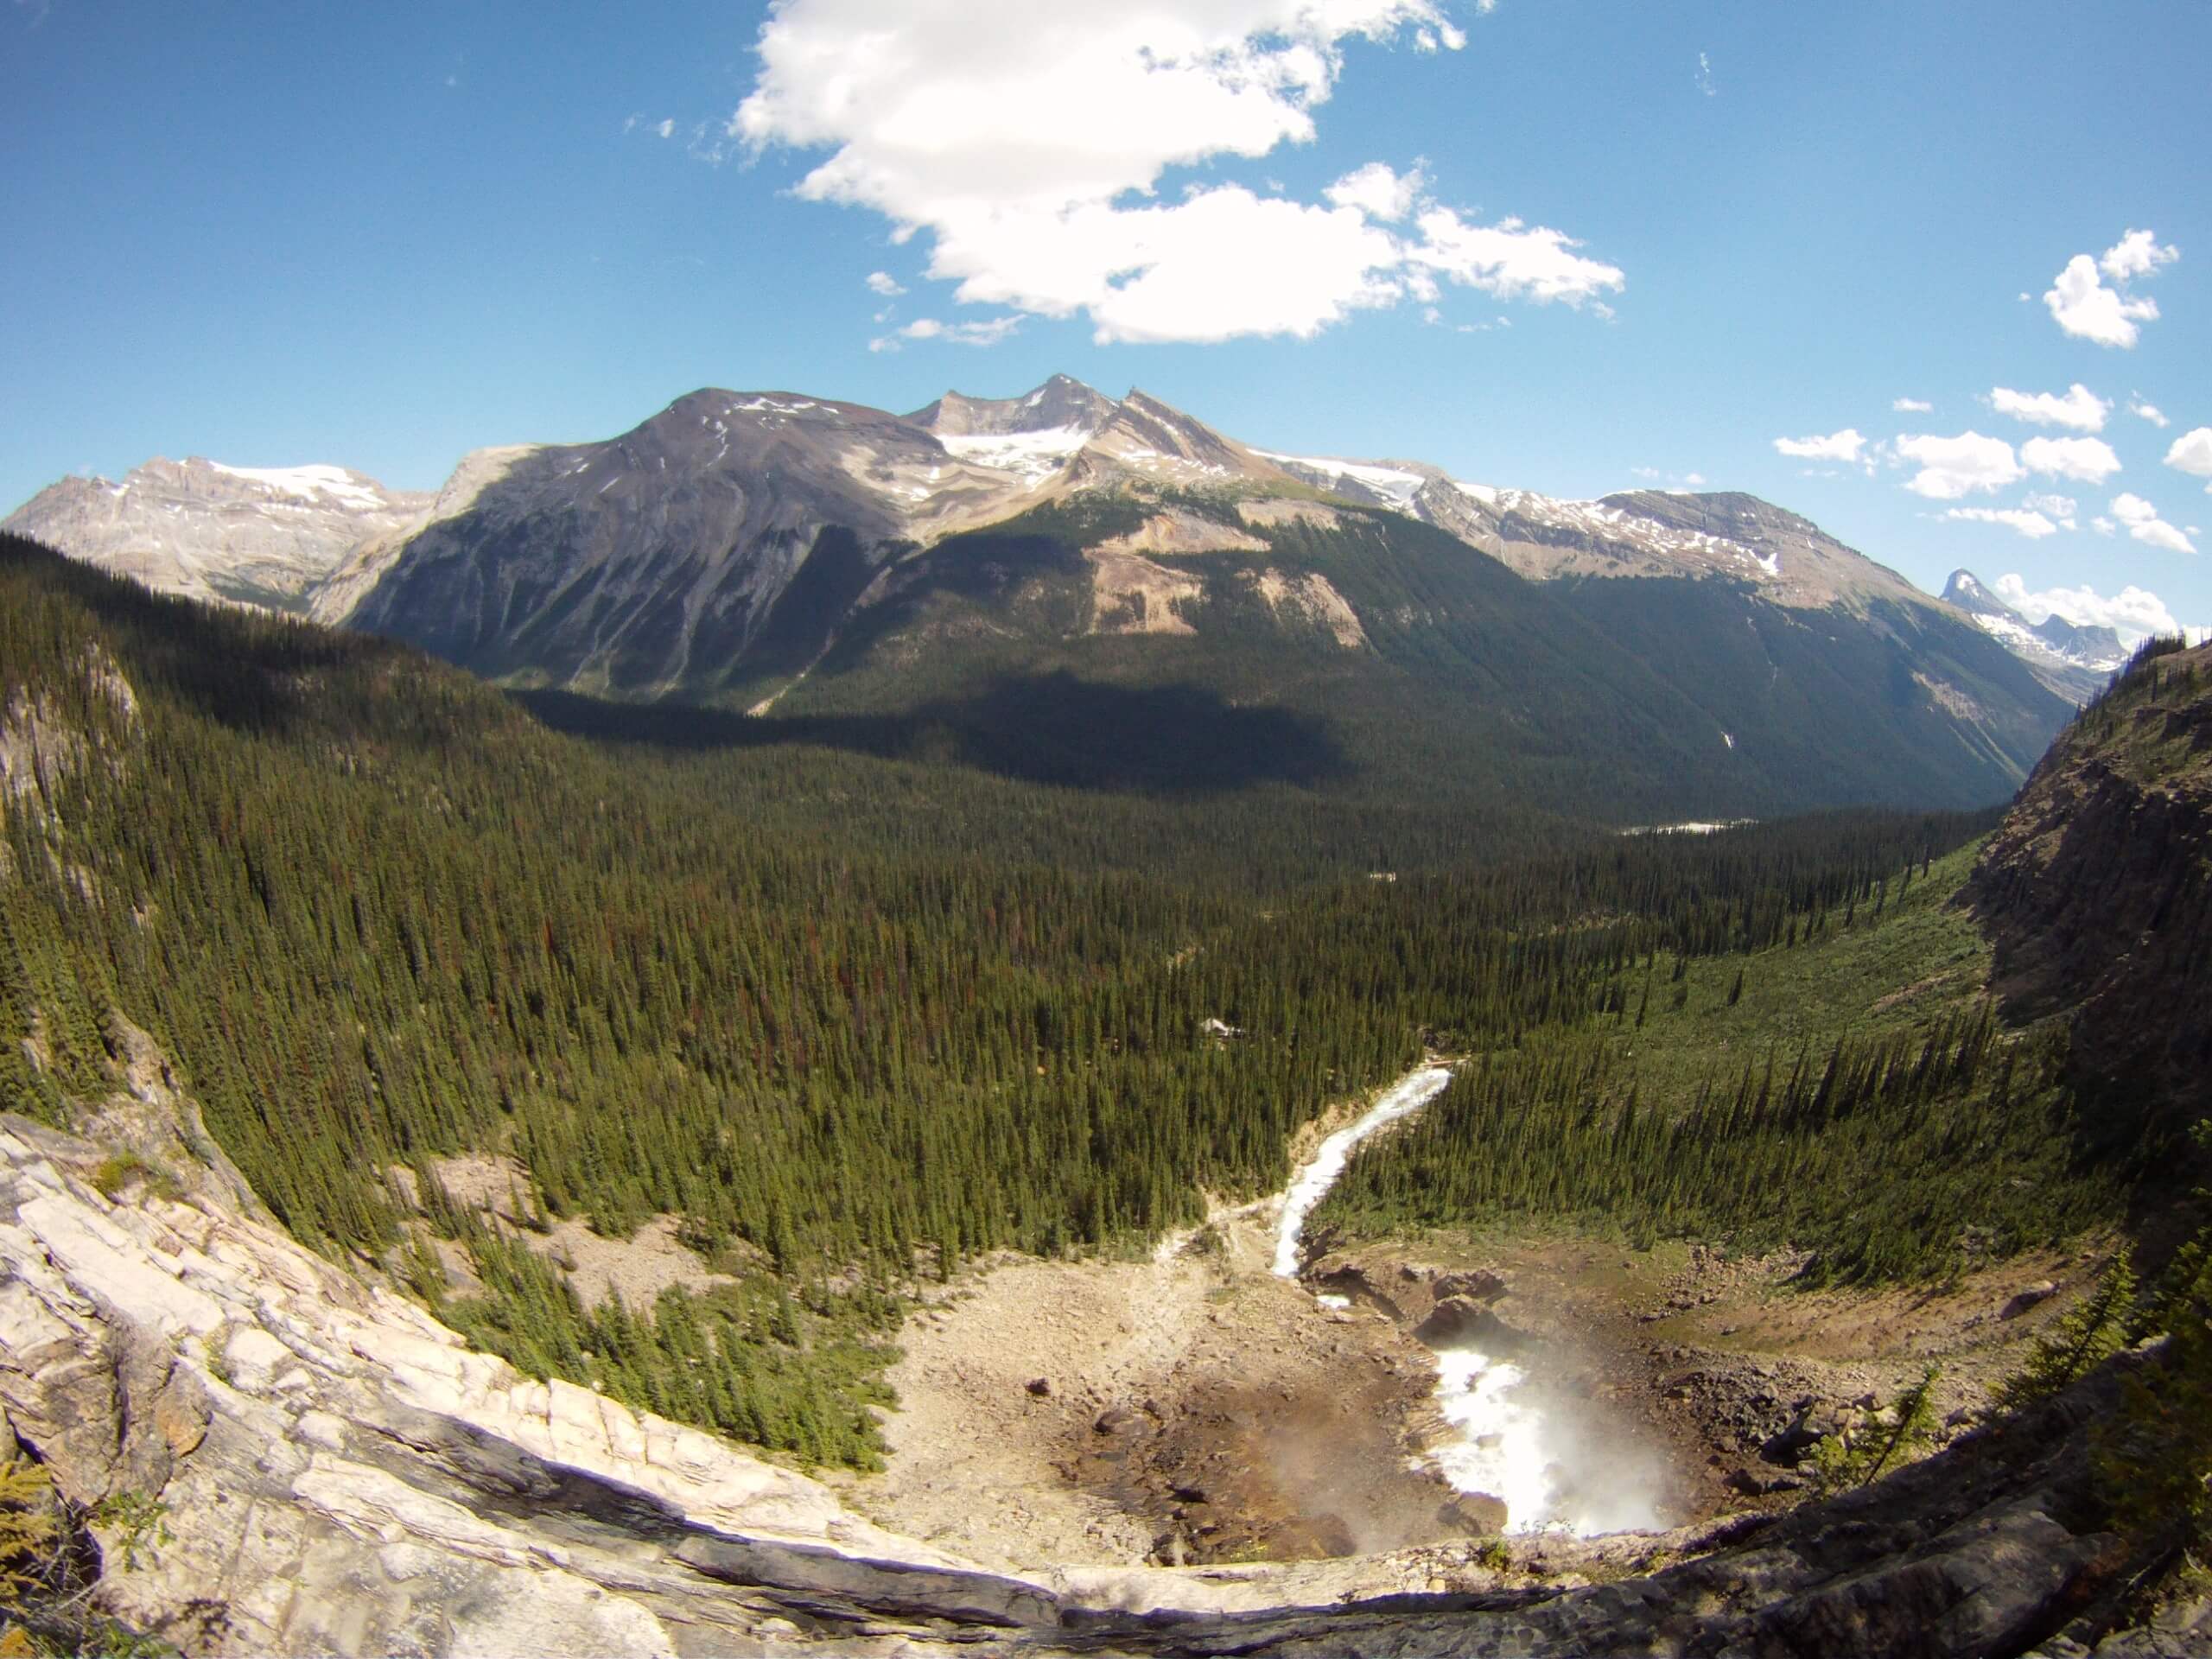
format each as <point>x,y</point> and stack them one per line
<point>2073,660</point>
<point>1011,570</point>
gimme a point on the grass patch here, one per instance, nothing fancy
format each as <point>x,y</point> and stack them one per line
<point>1874,975</point>
<point>1853,1095</point>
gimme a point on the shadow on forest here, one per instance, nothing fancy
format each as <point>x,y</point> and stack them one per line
<point>247,669</point>
<point>1049,728</point>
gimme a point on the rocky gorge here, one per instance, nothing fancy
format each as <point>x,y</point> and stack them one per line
<point>338,1473</point>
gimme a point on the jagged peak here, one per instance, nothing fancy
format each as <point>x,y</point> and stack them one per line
<point>1060,401</point>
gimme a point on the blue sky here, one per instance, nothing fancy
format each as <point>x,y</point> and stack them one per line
<point>1549,244</point>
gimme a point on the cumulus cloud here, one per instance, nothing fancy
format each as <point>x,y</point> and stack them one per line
<point>1508,260</point>
<point>2085,308</point>
<point>2079,408</point>
<point>1836,445</point>
<point>2029,523</point>
<point>2144,525</point>
<point>2150,412</point>
<point>883,282</point>
<point>1951,467</point>
<point>2136,254</point>
<point>957,334</point>
<point>1030,145</point>
<point>2060,507</point>
<point>2191,453</point>
<point>2132,613</point>
<point>2090,459</point>
<point>1911,406</point>
<point>1378,191</point>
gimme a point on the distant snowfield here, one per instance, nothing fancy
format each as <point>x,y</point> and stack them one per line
<point>1691,826</point>
<point>308,482</point>
<point>1033,456</point>
<point>1396,487</point>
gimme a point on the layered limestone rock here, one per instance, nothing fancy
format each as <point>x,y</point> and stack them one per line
<point>343,1475</point>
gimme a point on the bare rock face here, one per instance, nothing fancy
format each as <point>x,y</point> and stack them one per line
<point>251,535</point>
<point>343,1476</point>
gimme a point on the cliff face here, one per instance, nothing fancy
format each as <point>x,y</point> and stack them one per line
<point>2097,894</point>
<point>343,1476</point>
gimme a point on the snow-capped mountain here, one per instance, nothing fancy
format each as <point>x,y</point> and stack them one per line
<point>2072,659</point>
<point>1653,533</point>
<point>767,550</point>
<point>265,536</point>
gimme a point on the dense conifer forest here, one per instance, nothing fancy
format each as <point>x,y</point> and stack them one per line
<point>857,1018</point>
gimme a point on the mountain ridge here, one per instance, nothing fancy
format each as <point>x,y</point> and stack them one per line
<point>2075,661</point>
<point>739,549</point>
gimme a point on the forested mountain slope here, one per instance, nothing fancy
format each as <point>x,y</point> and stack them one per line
<point>1004,571</point>
<point>2097,891</point>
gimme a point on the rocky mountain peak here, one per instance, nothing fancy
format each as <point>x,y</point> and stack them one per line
<point>1965,590</point>
<point>1062,402</point>
<point>2095,645</point>
<point>254,535</point>
<point>2073,660</point>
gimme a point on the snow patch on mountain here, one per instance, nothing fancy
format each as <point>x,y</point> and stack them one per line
<point>2054,642</point>
<point>1391,483</point>
<point>1032,456</point>
<point>310,483</point>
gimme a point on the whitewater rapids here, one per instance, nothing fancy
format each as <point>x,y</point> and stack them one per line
<point>1312,1184</point>
<point>1505,1445</point>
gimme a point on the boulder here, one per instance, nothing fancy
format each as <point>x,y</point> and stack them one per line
<point>2028,1296</point>
<point>1477,1514</point>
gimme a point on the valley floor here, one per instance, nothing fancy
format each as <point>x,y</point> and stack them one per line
<point>1196,1407</point>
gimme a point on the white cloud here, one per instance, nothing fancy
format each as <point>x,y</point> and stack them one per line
<point>1017,137</point>
<point>1509,260</point>
<point>2085,308</point>
<point>1911,406</point>
<point>2191,453</point>
<point>1836,445</point>
<point>2150,412</point>
<point>1695,480</point>
<point>1951,467</point>
<point>1705,76</point>
<point>2060,507</point>
<point>2144,525</point>
<point>883,282</point>
<point>2033,525</point>
<point>2132,613</point>
<point>2136,254</point>
<point>2079,408</point>
<point>1379,192</point>
<point>666,128</point>
<point>957,333</point>
<point>2090,459</point>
